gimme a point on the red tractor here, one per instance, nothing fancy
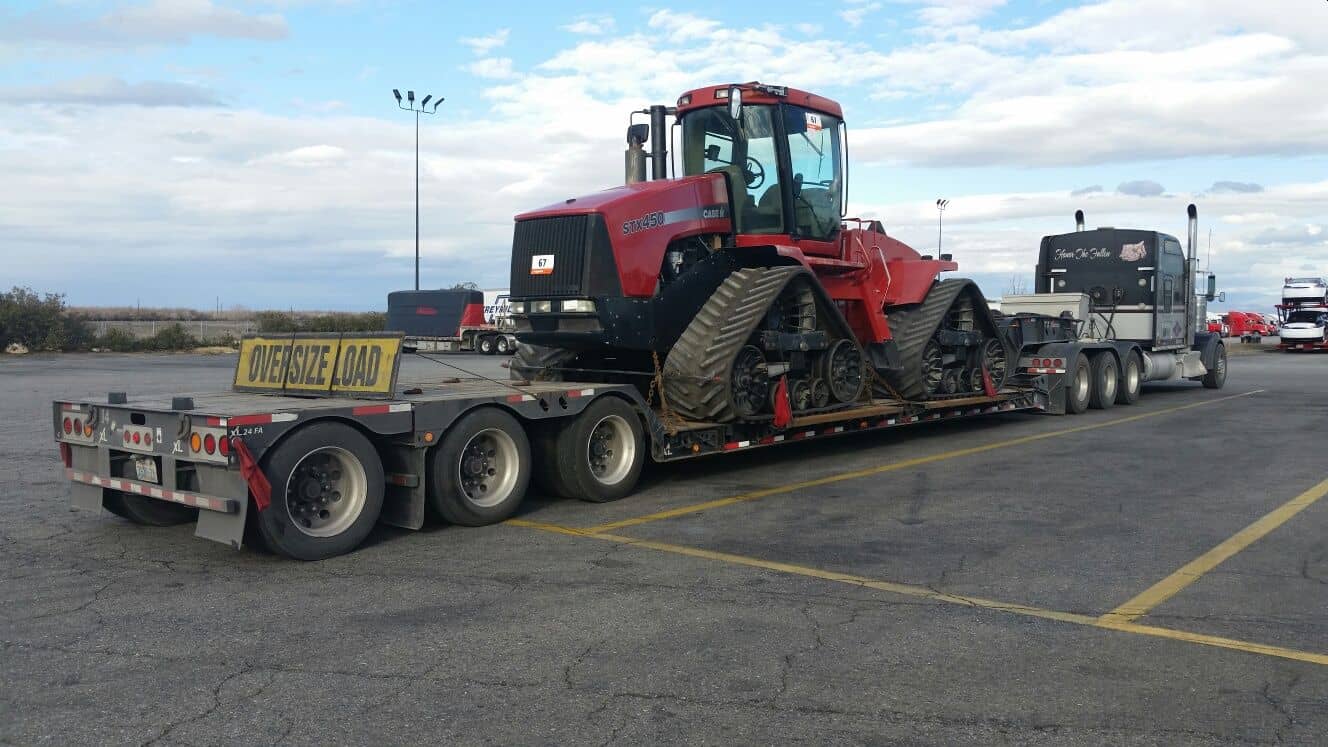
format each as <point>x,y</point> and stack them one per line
<point>743,271</point>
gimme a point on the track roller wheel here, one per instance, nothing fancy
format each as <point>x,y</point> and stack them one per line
<point>800,395</point>
<point>1106,380</point>
<point>933,369</point>
<point>749,382</point>
<point>842,368</point>
<point>820,392</point>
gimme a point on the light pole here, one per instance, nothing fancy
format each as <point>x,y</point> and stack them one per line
<point>940,211</point>
<point>409,105</point>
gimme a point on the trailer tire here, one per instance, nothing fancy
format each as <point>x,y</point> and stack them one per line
<point>485,345</point>
<point>479,473</point>
<point>547,477</point>
<point>501,346</point>
<point>1216,377</point>
<point>1078,384</point>
<point>340,464</point>
<point>1131,380</point>
<point>600,453</point>
<point>1106,381</point>
<point>149,512</point>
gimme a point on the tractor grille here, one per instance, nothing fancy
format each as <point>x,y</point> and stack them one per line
<point>564,237</point>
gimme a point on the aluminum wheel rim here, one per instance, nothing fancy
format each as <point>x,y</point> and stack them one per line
<point>326,492</point>
<point>611,451</point>
<point>1109,388</point>
<point>1132,376</point>
<point>488,468</point>
<point>1081,383</point>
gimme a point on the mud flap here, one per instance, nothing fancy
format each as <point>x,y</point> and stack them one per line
<point>227,528</point>
<point>403,499</point>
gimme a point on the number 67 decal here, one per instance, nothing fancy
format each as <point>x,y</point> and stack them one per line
<point>541,264</point>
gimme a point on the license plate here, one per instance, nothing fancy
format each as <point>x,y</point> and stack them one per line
<point>146,469</point>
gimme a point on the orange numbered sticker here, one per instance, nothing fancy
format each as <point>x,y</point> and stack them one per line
<point>541,264</point>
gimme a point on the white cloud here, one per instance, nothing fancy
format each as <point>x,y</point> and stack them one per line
<point>491,67</point>
<point>590,25</point>
<point>155,22</point>
<point>857,11</point>
<point>105,90</point>
<point>483,45</point>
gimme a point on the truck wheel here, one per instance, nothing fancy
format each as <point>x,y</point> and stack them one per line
<point>479,473</point>
<point>602,451</point>
<point>1106,381</point>
<point>486,345</point>
<point>1131,380</point>
<point>1217,375</point>
<point>327,491</point>
<point>1078,384</point>
<point>547,474</point>
<point>502,346</point>
<point>141,510</point>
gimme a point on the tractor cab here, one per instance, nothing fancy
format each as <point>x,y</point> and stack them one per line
<point>781,151</point>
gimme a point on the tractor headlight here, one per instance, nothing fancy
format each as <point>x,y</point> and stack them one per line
<point>516,307</point>
<point>579,305</point>
<point>541,307</point>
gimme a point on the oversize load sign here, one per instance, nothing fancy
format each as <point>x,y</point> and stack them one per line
<point>356,364</point>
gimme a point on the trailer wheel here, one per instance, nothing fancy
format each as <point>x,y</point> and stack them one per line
<point>1106,381</point>
<point>1078,384</point>
<point>502,346</point>
<point>1131,380</point>
<point>1217,375</point>
<point>602,451</point>
<point>146,511</point>
<point>486,345</point>
<point>479,473</point>
<point>327,492</point>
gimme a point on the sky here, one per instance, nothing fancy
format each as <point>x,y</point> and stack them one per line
<point>249,153</point>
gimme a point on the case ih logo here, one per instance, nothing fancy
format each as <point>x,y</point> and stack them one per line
<point>645,222</point>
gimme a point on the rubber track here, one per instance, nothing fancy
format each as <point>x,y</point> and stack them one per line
<point>912,327</point>
<point>698,369</point>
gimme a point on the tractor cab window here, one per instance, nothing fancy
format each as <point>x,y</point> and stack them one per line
<point>814,163</point>
<point>714,143</point>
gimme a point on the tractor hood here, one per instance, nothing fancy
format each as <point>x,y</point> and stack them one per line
<point>679,200</point>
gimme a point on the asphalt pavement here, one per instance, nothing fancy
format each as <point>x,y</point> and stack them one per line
<point>1153,574</point>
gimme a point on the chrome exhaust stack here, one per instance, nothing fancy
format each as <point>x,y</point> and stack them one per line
<point>1078,220</point>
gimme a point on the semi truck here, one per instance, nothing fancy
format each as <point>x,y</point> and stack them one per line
<point>716,316</point>
<point>452,320</point>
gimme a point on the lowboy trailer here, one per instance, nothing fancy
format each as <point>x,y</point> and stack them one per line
<point>310,449</point>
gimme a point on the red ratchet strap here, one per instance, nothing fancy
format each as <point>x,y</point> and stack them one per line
<point>783,410</point>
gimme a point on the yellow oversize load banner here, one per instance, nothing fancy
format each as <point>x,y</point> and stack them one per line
<point>354,364</point>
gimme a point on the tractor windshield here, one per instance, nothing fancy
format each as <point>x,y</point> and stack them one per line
<point>713,142</point>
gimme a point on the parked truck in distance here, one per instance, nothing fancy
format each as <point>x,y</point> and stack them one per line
<point>452,320</point>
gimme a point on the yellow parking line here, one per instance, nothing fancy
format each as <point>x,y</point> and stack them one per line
<point>1193,570</point>
<point>923,592</point>
<point>915,462</point>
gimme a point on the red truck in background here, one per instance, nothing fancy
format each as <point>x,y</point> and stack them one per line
<point>1249,327</point>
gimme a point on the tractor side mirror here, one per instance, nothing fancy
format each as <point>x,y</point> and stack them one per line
<point>1222,297</point>
<point>797,186</point>
<point>1212,287</point>
<point>735,103</point>
<point>638,134</point>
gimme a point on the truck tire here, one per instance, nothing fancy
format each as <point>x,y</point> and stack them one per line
<point>1216,377</point>
<point>1106,381</point>
<point>547,474</point>
<point>150,512</point>
<point>1131,380</point>
<point>502,346</point>
<point>602,451</point>
<point>485,345</point>
<point>327,492</point>
<point>1078,384</point>
<point>478,474</point>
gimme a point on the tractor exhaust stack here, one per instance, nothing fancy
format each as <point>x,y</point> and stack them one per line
<point>1193,239</point>
<point>659,143</point>
<point>1078,220</point>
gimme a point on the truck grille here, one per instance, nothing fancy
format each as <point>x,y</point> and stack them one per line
<point>564,237</point>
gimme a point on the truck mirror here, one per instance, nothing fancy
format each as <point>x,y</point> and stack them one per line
<point>1222,297</point>
<point>638,134</point>
<point>735,103</point>
<point>1212,287</point>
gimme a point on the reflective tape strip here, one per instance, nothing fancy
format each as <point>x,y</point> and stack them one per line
<point>381,409</point>
<point>216,422</point>
<point>580,393</point>
<point>736,445</point>
<point>520,398</point>
<point>276,417</point>
<point>221,505</point>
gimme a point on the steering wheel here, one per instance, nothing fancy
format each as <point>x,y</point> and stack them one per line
<point>754,173</point>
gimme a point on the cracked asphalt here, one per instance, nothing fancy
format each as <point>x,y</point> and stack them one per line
<point>112,633</point>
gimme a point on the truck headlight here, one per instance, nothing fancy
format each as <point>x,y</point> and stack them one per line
<point>541,307</point>
<point>579,305</point>
<point>516,307</point>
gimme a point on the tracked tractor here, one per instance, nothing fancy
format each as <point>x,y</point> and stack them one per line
<point>741,280</point>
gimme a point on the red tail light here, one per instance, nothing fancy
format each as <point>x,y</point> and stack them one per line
<point>147,439</point>
<point>78,426</point>
<point>69,426</point>
<point>138,437</point>
<point>224,446</point>
<point>66,454</point>
<point>209,444</point>
<point>126,436</point>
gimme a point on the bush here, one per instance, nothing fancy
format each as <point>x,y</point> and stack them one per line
<point>39,322</point>
<point>171,337</point>
<point>117,340</point>
<point>270,322</point>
